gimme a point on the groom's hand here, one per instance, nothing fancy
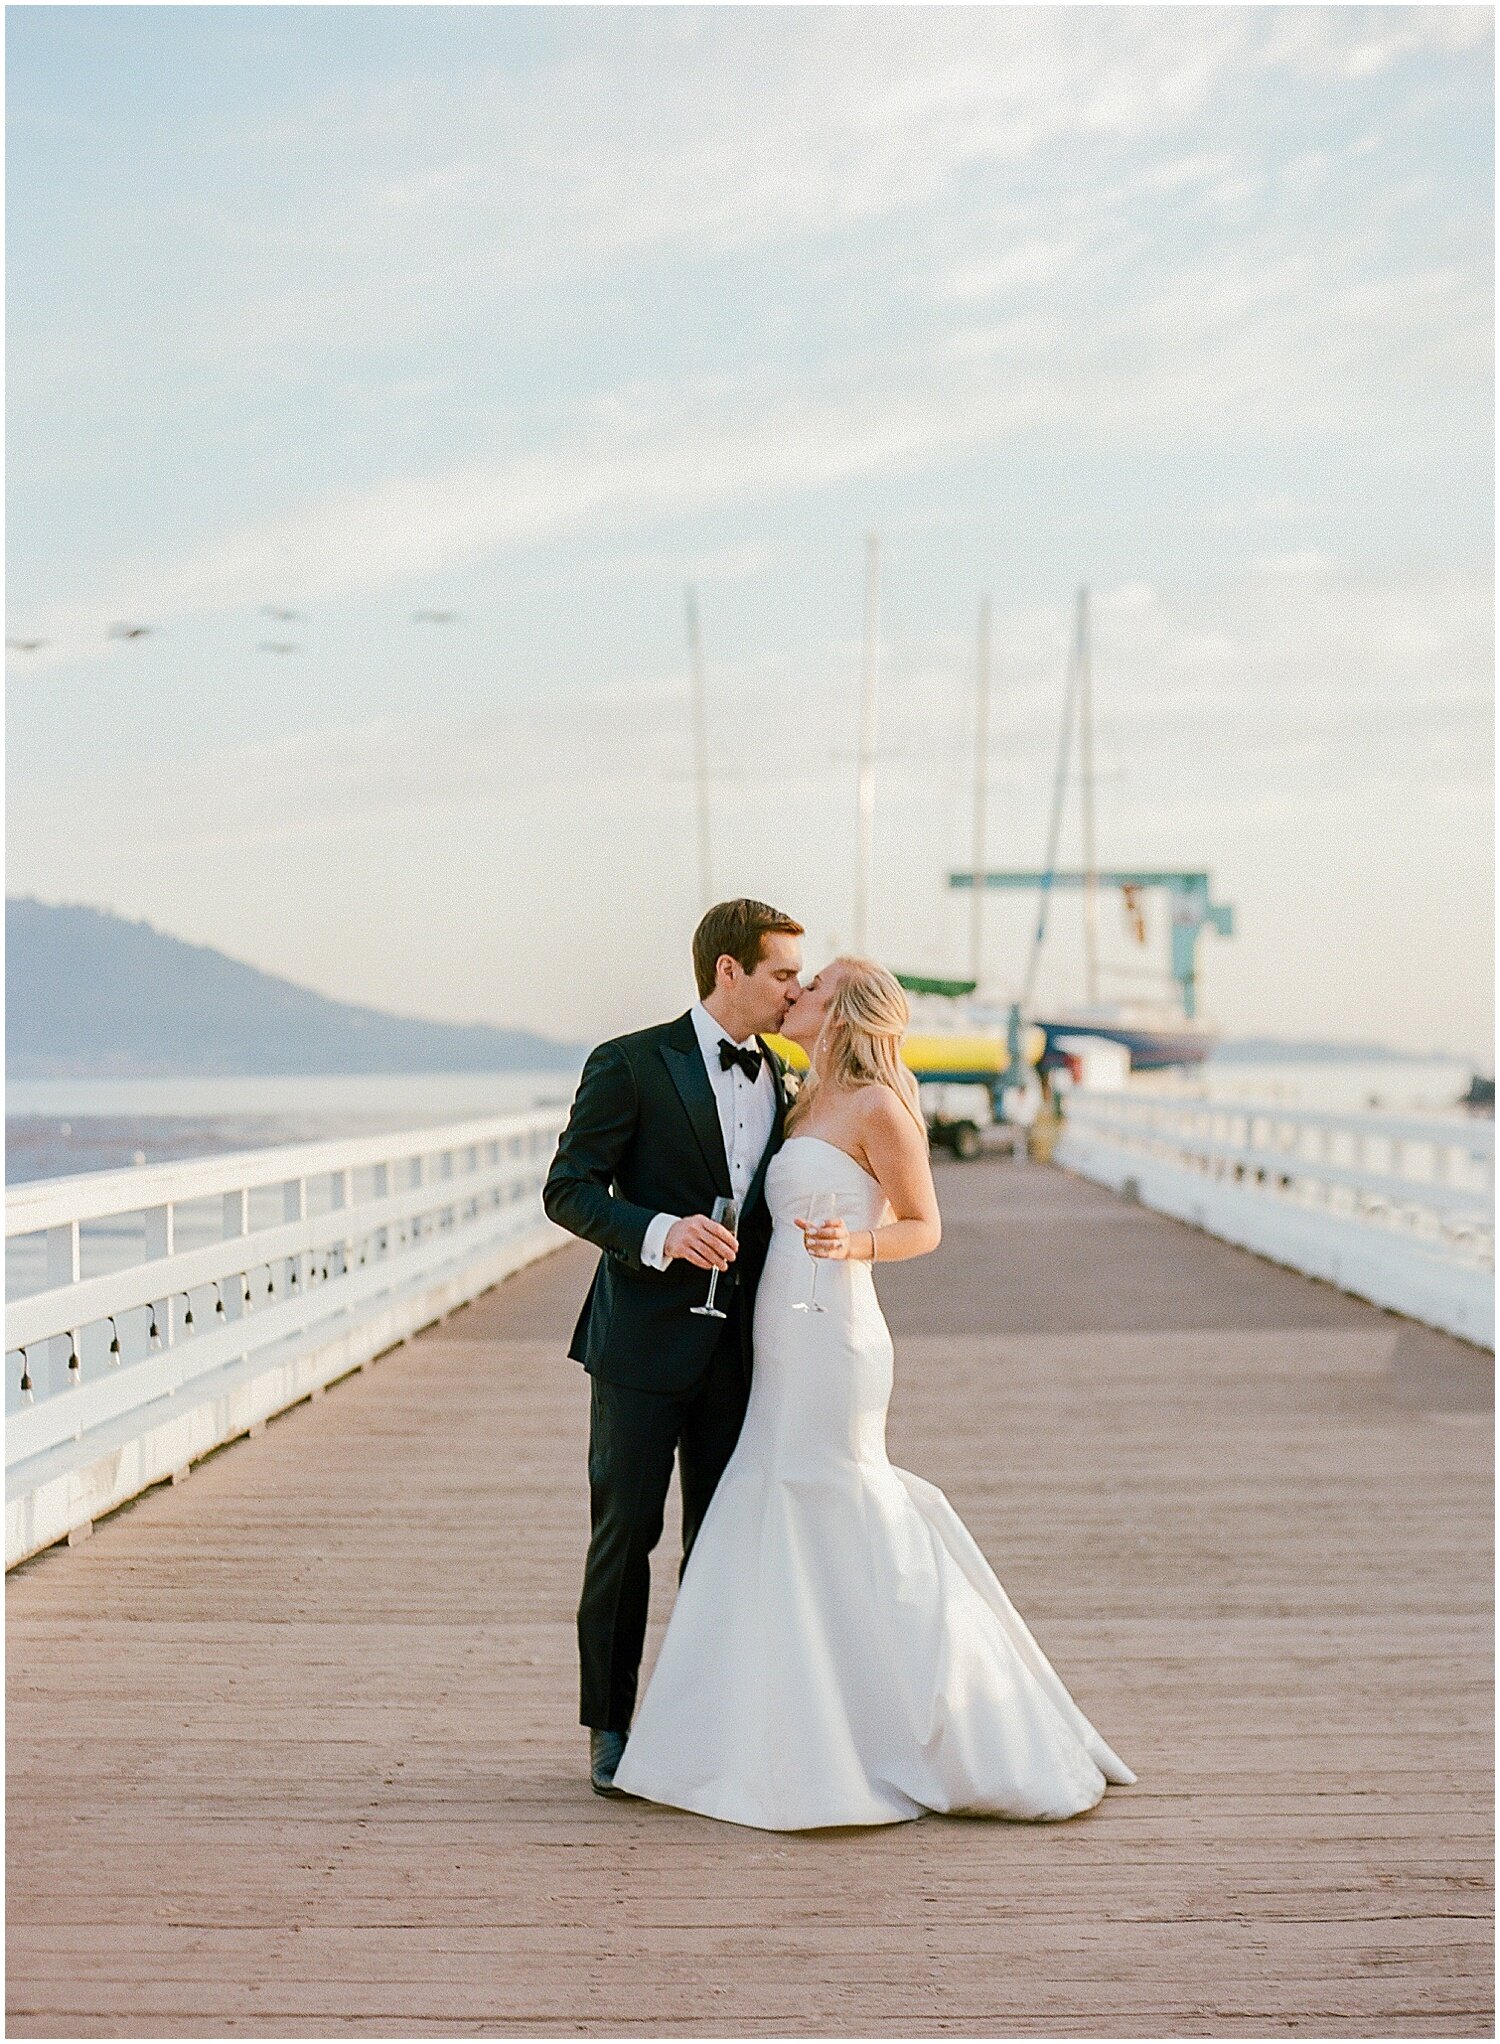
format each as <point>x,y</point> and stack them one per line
<point>701,1241</point>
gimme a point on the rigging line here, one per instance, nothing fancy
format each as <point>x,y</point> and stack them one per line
<point>1054,828</point>
<point>981,790</point>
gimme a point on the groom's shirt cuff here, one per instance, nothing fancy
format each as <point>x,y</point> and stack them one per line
<point>653,1244</point>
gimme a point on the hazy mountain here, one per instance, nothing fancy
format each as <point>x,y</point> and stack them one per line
<point>89,994</point>
<point>1289,1050</point>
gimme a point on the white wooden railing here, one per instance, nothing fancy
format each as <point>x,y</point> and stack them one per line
<point>155,1313</point>
<point>1395,1208</point>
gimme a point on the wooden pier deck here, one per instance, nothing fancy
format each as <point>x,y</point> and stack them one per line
<point>293,1751</point>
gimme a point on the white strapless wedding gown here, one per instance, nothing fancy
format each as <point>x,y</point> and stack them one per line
<point>840,1651</point>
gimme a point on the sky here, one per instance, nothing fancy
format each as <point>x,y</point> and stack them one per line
<point>537,314</point>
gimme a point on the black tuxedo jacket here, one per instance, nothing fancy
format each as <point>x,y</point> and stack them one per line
<point>644,1138</point>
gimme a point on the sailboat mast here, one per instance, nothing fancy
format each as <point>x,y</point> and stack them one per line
<point>981,786</point>
<point>1086,763</point>
<point>866,783</point>
<point>700,746</point>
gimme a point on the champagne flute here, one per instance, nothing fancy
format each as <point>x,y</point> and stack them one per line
<point>819,1206</point>
<point>727,1214</point>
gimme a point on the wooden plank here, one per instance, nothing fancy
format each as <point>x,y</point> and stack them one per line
<point>293,1746</point>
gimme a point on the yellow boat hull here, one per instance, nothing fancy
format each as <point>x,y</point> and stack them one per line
<point>939,1057</point>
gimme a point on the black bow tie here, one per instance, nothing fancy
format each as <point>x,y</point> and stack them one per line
<point>747,1060</point>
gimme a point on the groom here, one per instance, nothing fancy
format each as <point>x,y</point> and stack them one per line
<point>665,1121</point>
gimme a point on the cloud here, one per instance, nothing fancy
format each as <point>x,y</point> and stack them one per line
<point>660,302</point>
<point>1285,342</point>
<point>768,128</point>
<point>1337,667</point>
<point>765,128</point>
<point>1359,42</point>
<point>1303,561</point>
<point>1284,729</point>
<point>401,207</point>
<point>393,200</point>
<point>1028,264</point>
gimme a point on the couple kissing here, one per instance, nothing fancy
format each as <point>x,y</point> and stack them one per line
<point>839,1650</point>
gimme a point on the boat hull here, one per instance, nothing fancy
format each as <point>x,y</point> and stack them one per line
<point>970,1057</point>
<point>1152,1047</point>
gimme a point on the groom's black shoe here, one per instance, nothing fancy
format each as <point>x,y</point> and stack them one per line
<point>606,1750</point>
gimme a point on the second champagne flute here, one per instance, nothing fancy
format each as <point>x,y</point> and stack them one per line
<point>819,1206</point>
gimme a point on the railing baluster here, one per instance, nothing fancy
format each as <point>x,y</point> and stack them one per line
<point>236,1225</point>
<point>343,1199</point>
<point>1315,1159</point>
<point>64,1267</point>
<point>436,1211</point>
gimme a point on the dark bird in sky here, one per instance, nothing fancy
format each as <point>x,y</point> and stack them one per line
<point>25,645</point>
<point>434,617</point>
<point>276,646</point>
<point>285,617</point>
<point>129,631</point>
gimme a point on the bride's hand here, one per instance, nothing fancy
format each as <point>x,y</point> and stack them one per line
<point>828,1239</point>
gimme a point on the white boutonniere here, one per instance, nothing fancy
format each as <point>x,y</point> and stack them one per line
<point>791,1082</point>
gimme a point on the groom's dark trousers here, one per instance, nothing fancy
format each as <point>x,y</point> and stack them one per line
<point>644,1138</point>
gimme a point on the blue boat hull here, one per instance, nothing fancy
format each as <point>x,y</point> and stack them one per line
<point>1151,1049</point>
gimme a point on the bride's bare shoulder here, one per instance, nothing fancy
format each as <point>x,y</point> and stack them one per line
<point>882,1112</point>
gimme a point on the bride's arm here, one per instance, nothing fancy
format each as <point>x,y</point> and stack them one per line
<point>897,1148</point>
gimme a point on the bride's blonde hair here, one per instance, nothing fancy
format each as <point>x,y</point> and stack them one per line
<point>859,1043</point>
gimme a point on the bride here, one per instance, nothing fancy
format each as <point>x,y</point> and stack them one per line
<point>840,1651</point>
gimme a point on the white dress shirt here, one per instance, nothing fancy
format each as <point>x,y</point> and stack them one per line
<point>747,1114</point>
